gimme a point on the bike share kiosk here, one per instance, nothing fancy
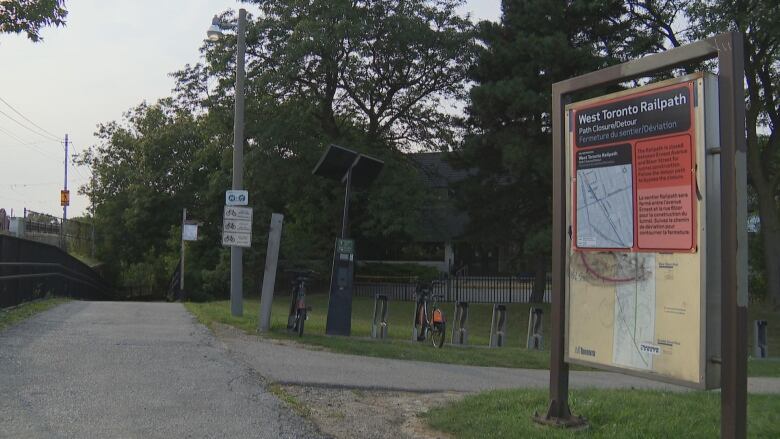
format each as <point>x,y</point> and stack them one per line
<point>352,169</point>
<point>460,328</point>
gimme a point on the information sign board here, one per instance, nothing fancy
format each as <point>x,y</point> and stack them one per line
<point>237,226</point>
<point>638,200</point>
<point>189,232</point>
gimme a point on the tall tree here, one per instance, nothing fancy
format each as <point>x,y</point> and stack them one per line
<point>759,21</point>
<point>383,66</point>
<point>30,16</point>
<point>145,169</point>
<point>367,74</point>
<point>536,43</point>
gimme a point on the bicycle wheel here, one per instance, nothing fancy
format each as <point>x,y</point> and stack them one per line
<point>420,323</point>
<point>437,334</point>
<point>301,317</point>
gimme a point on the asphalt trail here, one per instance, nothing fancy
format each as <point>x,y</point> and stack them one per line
<point>131,370</point>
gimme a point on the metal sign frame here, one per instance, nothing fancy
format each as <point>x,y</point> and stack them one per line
<point>728,49</point>
<point>706,230</point>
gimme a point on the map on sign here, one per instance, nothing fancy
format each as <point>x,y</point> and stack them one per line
<point>605,207</point>
<point>630,278</point>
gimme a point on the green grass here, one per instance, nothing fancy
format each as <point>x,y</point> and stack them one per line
<point>14,315</point>
<point>399,345</point>
<point>610,413</point>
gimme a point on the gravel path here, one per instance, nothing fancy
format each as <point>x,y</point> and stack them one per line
<point>289,364</point>
<point>131,370</point>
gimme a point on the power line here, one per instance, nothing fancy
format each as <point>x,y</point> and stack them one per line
<point>27,144</point>
<point>56,137</point>
<point>76,167</point>
<point>28,128</point>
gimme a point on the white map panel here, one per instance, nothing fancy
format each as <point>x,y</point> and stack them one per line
<point>605,207</point>
<point>634,311</point>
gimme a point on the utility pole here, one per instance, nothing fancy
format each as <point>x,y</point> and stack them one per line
<point>236,255</point>
<point>181,269</point>
<point>65,205</point>
<point>92,199</point>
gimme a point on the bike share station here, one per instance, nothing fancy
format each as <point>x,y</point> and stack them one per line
<point>649,228</point>
<point>354,170</point>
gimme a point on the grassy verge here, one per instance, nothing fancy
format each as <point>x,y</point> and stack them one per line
<point>611,414</point>
<point>399,345</point>
<point>11,316</point>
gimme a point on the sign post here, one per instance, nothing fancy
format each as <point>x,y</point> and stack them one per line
<point>189,232</point>
<point>269,276</point>
<point>674,218</point>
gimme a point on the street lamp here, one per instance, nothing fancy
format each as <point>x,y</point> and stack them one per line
<point>214,33</point>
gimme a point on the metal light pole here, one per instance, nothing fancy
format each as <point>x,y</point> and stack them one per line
<point>236,255</point>
<point>65,202</point>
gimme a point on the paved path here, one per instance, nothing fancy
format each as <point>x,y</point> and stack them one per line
<point>130,370</point>
<point>289,364</point>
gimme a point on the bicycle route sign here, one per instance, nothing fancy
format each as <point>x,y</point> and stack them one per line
<point>236,198</point>
<point>237,226</point>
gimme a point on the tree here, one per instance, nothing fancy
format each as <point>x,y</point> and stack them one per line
<point>382,66</point>
<point>365,74</point>
<point>145,170</point>
<point>759,21</point>
<point>537,43</point>
<point>30,16</point>
<point>370,75</point>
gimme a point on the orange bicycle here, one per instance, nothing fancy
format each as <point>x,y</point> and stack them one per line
<point>429,324</point>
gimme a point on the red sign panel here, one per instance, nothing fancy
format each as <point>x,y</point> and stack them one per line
<point>633,172</point>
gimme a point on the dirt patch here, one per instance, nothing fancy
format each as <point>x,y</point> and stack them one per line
<point>351,413</point>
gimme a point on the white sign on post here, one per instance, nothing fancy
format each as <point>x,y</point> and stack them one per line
<point>189,232</point>
<point>237,226</point>
<point>236,198</point>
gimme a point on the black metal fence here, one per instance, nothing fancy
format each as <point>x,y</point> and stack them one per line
<point>474,289</point>
<point>31,270</point>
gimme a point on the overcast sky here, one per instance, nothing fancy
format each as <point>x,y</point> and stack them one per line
<point>111,56</point>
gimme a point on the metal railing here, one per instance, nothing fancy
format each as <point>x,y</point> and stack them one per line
<point>473,289</point>
<point>75,235</point>
<point>30,270</point>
